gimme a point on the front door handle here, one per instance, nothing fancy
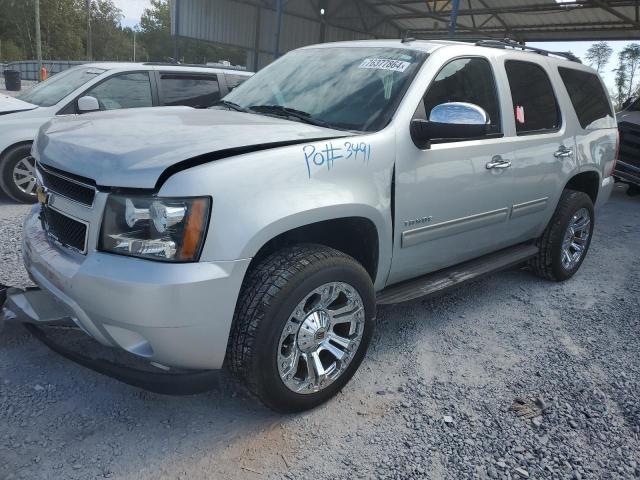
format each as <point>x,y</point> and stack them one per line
<point>498,162</point>
<point>563,152</point>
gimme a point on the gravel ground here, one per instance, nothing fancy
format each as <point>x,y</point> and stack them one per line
<point>433,399</point>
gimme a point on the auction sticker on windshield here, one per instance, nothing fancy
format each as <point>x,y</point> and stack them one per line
<point>385,64</point>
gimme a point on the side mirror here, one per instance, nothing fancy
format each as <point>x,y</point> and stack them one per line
<point>450,121</point>
<point>88,104</point>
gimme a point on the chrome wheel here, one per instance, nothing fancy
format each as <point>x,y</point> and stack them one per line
<point>24,176</point>
<point>576,239</point>
<point>321,337</point>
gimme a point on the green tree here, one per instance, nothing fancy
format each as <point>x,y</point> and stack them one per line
<point>64,30</point>
<point>630,57</point>
<point>109,41</point>
<point>621,85</point>
<point>599,55</point>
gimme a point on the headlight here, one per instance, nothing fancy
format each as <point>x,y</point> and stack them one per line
<point>167,229</point>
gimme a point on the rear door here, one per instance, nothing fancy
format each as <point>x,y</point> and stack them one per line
<point>544,145</point>
<point>191,89</point>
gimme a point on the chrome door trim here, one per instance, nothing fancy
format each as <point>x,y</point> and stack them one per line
<point>428,233</point>
<point>526,208</point>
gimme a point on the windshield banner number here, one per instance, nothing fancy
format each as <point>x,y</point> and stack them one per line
<point>385,64</point>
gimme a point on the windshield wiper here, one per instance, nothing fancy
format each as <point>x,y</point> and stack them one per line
<point>281,111</point>
<point>231,105</point>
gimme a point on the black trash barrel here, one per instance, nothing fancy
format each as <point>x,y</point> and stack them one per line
<point>12,80</point>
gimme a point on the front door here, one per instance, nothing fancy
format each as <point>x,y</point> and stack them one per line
<point>452,200</point>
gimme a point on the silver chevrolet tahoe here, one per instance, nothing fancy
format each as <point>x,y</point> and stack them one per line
<point>261,233</point>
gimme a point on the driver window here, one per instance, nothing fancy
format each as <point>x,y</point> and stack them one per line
<point>131,90</point>
<point>468,80</point>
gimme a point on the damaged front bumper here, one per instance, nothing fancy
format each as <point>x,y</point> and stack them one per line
<point>31,305</point>
<point>36,309</point>
<point>176,315</point>
<point>169,317</point>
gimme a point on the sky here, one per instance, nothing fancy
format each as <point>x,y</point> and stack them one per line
<point>132,11</point>
<point>580,49</point>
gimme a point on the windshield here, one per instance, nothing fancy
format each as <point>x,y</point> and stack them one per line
<point>51,91</point>
<point>346,88</point>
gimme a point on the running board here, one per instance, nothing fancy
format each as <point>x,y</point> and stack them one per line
<point>456,275</point>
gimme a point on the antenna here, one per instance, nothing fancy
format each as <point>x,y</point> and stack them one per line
<point>406,38</point>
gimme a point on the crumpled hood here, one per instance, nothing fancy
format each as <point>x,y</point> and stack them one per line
<point>132,148</point>
<point>11,105</point>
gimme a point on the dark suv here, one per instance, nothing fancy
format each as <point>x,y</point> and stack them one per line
<point>628,166</point>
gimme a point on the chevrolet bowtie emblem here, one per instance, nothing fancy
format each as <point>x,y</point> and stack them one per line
<point>43,196</point>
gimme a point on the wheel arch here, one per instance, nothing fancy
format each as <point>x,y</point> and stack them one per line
<point>587,182</point>
<point>355,235</point>
<point>22,143</point>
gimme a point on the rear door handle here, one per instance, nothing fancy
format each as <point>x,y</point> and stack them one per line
<point>563,152</point>
<point>498,162</point>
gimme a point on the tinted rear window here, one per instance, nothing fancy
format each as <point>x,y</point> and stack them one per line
<point>534,103</point>
<point>587,96</point>
<point>196,91</point>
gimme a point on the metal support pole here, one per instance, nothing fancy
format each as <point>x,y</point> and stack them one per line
<point>89,41</point>
<point>323,23</point>
<point>256,43</point>
<point>176,46</point>
<point>38,40</point>
<point>453,19</point>
<point>276,50</point>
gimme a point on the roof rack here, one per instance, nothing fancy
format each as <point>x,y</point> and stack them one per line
<point>508,43</point>
<point>199,65</point>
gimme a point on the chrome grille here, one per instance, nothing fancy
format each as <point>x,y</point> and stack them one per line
<point>64,185</point>
<point>67,231</point>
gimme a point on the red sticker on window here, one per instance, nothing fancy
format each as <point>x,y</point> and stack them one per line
<point>520,114</point>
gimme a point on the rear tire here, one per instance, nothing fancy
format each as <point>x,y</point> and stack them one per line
<point>17,174</point>
<point>566,240</point>
<point>278,326</point>
<point>633,190</point>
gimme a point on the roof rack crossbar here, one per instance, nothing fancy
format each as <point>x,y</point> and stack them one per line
<point>508,43</point>
<point>199,65</point>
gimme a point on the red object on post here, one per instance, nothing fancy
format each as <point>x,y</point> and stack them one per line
<point>43,74</point>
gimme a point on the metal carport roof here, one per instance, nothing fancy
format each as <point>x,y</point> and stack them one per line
<point>523,20</point>
<point>266,28</point>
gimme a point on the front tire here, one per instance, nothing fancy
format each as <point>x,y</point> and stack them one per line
<point>566,240</point>
<point>302,325</point>
<point>17,174</point>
